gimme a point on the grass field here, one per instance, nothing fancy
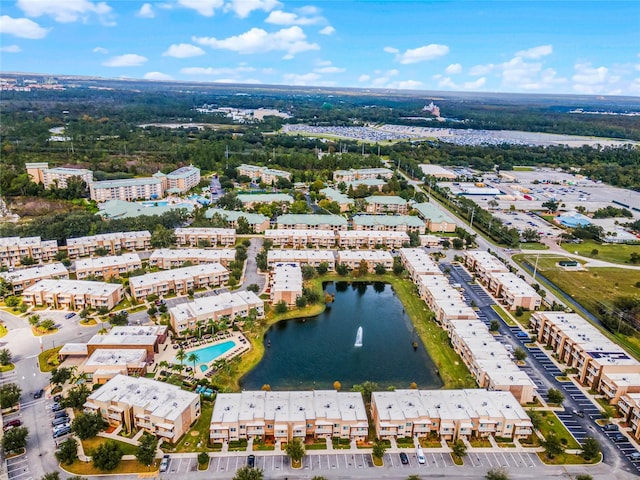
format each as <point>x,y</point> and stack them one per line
<point>125,466</point>
<point>3,330</point>
<point>90,444</point>
<point>551,425</point>
<point>607,253</point>
<point>200,441</point>
<point>533,246</point>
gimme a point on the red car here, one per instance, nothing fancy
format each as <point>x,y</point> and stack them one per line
<point>12,424</point>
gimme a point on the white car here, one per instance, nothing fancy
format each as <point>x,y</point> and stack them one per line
<point>420,455</point>
<point>164,464</point>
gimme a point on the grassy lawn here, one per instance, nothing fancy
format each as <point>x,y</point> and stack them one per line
<point>48,360</point>
<point>533,246</point>
<point>200,441</point>
<point>566,459</point>
<point>125,466</point>
<point>503,315</point>
<point>90,444</point>
<point>607,252</point>
<point>7,368</point>
<point>480,442</point>
<point>551,425</point>
<point>523,168</point>
<point>3,330</point>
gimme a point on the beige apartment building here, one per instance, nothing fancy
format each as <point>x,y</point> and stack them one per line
<point>446,302</point>
<point>340,198</point>
<point>396,223</point>
<point>159,408</point>
<point>303,257</point>
<point>371,239</point>
<point>483,264</point>
<point>250,200</point>
<point>21,279</point>
<point>73,294</point>
<point>113,243</point>
<point>129,189</point>
<point>283,237</point>
<point>451,414</point>
<point>107,267</point>
<point>178,280</point>
<point>418,263</point>
<point>104,364</point>
<point>12,249</point>
<point>436,220</point>
<point>629,407</point>
<point>262,174</point>
<point>614,385</point>
<point>257,222</point>
<point>352,175</point>
<point>285,283</point>
<point>283,416</point>
<point>310,221</point>
<point>192,237</point>
<point>379,204</point>
<point>165,258</point>
<point>56,177</point>
<point>182,179</point>
<point>513,291</point>
<point>352,258</point>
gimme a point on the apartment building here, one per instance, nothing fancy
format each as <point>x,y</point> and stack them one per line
<point>73,294</point>
<point>192,237</point>
<point>446,302</point>
<point>249,200</point>
<point>352,258</point>
<point>371,239</point>
<point>104,364</point>
<point>418,262</point>
<point>379,204</point>
<point>183,179</point>
<point>285,283</point>
<point>397,223</point>
<point>615,385</point>
<point>361,174</point>
<point>216,308</point>
<point>159,408</point>
<point>129,189</point>
<point>13,249</point>
<point>178,280</point>
<point>581,345</point>
<point>307,238</point>
<point>340,198</point>
<point>483,264</point>
<point>513,291</point>
<point>376,183</point>
<point>435,218</point>
<point>451,414</point>
<point>262,174</point>
<point>629,407</point>
<point>21,279</point>
<point>107,267</point>
<point>166,258</point>
<point>58,176</point>
<point>112,243</point>
<point>310,221</point>
<point>288,415</point>
<point>303,257</point>
<point>257,222</point>
<point>131,337</point>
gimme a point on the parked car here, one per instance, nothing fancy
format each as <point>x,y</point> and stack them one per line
<point>57,398</point>
<point>61,414</point>
<point>619,438</point>
<point>579,413</point>
<point>63,431</point>
<point>70,315</point>
<point>164,464</point>
<point>59,421</point>
<point>404,458</point>
<point>611,427</point>
<point>12,424</point>
<point>634,456</point>
<point>56,407</point>
<point>38,394</point>
<point>251,461</point>
<point>420,454</point>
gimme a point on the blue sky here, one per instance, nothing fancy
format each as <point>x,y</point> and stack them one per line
<point>583,47</point>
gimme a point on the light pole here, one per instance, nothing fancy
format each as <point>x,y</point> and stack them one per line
<point>473,211</point>
<point>535,268</point>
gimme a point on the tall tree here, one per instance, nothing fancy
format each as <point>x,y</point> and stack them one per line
<point>295,450</point>
<point>107,456</point>
<point>68,451</point>
<point>15,439</point>
<point>248,473</point>
<point>146,451</point>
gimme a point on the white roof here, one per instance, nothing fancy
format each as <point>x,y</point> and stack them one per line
<point>302,255</point>
<point>183,273</point>
<point>208,306</point>
<point>108,237</point>
<point>300,233</point>
<point>114,357</point>
<point>47,270</point>
<point>75,287</point>
<point>200,254</point>
<point>108,261</point>
<point>203,231</point>
<point>286,277</point>
<point>368,255</point>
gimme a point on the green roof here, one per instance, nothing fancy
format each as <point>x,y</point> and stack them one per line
<point>369,182</point>
<point>265,197</point>
<point>122,209</point>
<point>335,195</point>
<point>311,220</point>
<point>433,213</point>
<point>232,215</point>
<point>386,200</point>
<point>387,220</point>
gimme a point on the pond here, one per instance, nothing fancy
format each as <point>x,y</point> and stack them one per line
<point>314,352</point>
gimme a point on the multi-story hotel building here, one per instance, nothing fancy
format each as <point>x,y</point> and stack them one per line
<point>211,236</point>
<point>21,279</point>
<point>217,307</point>
<point>352,258</point>
<point>166,258</point>
<point>262,174</point>
<point>129,189</point>
<point>310,221</point>
<point>56,177</point>
<point>285,283</point>
<point>12,249</point>
<point>451,414</point>
<point>258,223</point>
<point>113,243</point>
<point>379,204</point>
<point>159,408</point>
<point>284,237</point>
<point>361,174</point>
<point>283,416</point>
<point>73,294</point>
<point>178,280</point>
<point>303,257</point>
<point>183,179</point>
<point>397,223</point>
<point>107,267</point>
<point>371,239</point>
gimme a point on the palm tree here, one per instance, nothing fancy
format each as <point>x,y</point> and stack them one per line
<point>193,358</point>
<point>180,356</point>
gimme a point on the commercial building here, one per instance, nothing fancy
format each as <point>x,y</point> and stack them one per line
<point>178,280</point>
<point>309,221</point>
<point>372,239</point>
<point>21,279</point>
<point>450,414</point>
<point>437,171</point>
<point>435,218</point>
<point>129,189</point>
<point>352,258</point>
<point>183,179</point>
<point>112,243</point>
<point>285,283</point>
<point>396,223</point>
<point>615,385</point>
<point>513,291</point>
<point>166,258</point>
<point>361,174</point>
<point>104,364</point>
<point>340,198</point>
<point>249,200</point>
<point>283,416</point>
<point>303,257</point>
<point>216,308</point>
<point>13,249</point>
<point>195,237</point>
<point>56,177</point>
<point>257,222</point>
<point>107,267</point>
<point>301,238</point>
<point>262,174</point>
<point>380,204</point>
<point>73,294</point>
<point>159,408</point>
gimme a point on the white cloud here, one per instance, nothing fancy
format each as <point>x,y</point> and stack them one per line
<point>278,17</point>
<point>67,11</point>
<point>453,69</point>
<point>183,50</point>
<point>478,70</point>
<point>206,8</point>
<point>364,78</point>
<point>22,28</point>
<point>518,74</point>
<point>243,8</point>
<point>476,84</point>
<point>330,69</point>
<point>328,30</point>
<point>146,11</point>
<point>215,71</point>
<point>11,49</point>
<point>536,52</point>
<point>291,40</point>
<point>446,82</point>
<point>127,60</point>
<point>301,79</point>
<point>100,50</point>
<point>407,85</point>
<point>420,54</point>
<point>157,76</point>
<point>592,80</point>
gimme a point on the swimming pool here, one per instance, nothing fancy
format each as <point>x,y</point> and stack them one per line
<point>211,352</point>
<point>161,203</point>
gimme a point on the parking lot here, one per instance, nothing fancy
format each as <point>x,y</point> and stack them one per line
<point>18,468</point>
<point>522,221</point>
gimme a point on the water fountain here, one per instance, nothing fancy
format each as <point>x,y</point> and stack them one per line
<point>358,338</point>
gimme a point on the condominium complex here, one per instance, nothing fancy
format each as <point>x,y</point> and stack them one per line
<point>303,257</point>
<point>352,258</point>
<point>629,407</point>
<point>21,279</point>
<point>130,337</point>
<point>257,222</point>
<point>435,218</point>
<point>112,243</point>
<point>262,174</point>
<point>483,264</point>
<point>166,258</point>
<point>361,174</point>
<point>129,189</point>
<point>105,363</point>
<point>249,200</point>
<point>107,267</point>
<point>513,291</point>
<point>183,179</point>
<point>285,283</point>
<point>56,177</point>
<point>301,238</point>
<point>397,223</point>
<point>178,280</point>
<point>451,414</point>
<point>379,204</point>
<point>139,403</point>
<point>217,307</point>
<point>283,416</point>
<point>341,199</point>
<point>13,249</point>
<point>308,221</point>
<point>371,239</point>
<point>418,263</point>
<point>73,294</point>
<point>194,237</point>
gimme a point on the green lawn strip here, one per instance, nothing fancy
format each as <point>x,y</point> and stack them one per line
<point>48,360</point>
<point>202,439</point>
<point>405,442</point>
<point>7,368</point>
<point>551,425</point>
<point>86,469</point>
<point>533,246</point>
<point>3,330</point>
<point>566,459</point>
<point>316,446</point>
<point>615,253</point>
<point>90,444</point>
<point>503,315</point>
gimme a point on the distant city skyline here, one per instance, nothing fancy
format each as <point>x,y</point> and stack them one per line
<point>573,47</point>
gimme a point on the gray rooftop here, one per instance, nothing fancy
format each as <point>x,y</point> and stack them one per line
<point>311,220</point>
<point>387,220</point>
<point>433,213</point>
